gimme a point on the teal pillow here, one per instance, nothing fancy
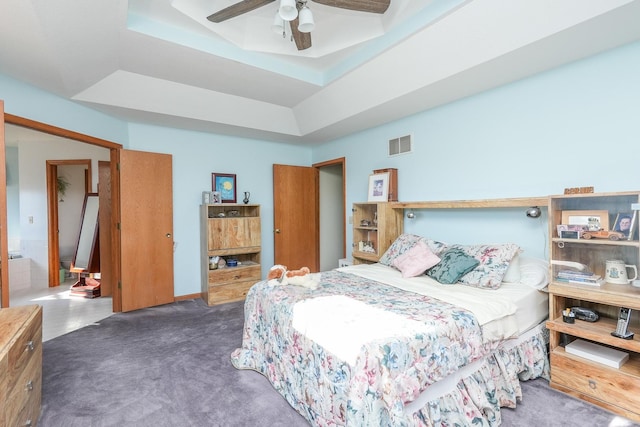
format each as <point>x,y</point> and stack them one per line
<point>454,263</point>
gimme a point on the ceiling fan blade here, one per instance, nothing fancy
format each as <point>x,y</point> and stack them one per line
<point>373,6</point>
<point>303,40</point>
<point>237,9</point>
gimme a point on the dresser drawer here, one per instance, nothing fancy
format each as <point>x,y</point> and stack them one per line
<point>27,344</point>
<point>226,275</point>
<point>596,380</point>
<point>24,395</point>
<point>228,293</point>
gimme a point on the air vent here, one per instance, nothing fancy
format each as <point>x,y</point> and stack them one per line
<point>400,145</point>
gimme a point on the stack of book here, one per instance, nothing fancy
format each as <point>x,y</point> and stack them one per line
<point>580,277</point>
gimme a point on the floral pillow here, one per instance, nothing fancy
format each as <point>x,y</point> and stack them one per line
<point>403,243</point>
<point>493,264</point>
<point>416,260</point>
<point>454,264</point>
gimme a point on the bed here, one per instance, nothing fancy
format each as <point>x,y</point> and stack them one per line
<point>373,346</point>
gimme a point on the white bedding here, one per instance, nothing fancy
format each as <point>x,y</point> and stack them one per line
<point>512,309</point>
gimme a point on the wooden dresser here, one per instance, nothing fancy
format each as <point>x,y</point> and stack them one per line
<point>230,232</point>
<point>20,365</point>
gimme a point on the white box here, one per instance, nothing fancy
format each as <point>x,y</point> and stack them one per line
<point>597,353</point>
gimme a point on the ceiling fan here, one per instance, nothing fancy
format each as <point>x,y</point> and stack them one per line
<point>302,39</point>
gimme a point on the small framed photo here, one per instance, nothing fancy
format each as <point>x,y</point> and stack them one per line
<point>225,184</point>
<point>378,187</point>
<point>626,222</point>
<point>216,198</point>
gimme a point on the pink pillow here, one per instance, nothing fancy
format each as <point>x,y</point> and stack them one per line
<point>416,260</point>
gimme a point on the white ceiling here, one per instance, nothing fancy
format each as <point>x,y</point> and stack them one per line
<point>149,61</point>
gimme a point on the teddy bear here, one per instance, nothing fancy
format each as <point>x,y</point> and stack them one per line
<point>280,275</point>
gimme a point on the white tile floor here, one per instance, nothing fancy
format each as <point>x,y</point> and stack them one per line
<point>61,311</point>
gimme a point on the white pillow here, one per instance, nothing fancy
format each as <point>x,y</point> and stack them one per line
<point>513,272</point>
<point>534,272</point>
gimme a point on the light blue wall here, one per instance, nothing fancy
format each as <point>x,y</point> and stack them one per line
<point>195,157</point>
<point>574,126</point>
<point>27,101</point>
<point>578,125</point>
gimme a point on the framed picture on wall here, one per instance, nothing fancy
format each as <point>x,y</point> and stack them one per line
<point>225,184</point>
<point>378,187</point>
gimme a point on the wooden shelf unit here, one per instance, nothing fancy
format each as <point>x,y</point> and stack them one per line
<point>617,390</point>
<point>385,225</point>
<point>230,231</point>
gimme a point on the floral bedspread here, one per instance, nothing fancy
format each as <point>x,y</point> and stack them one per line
<point>398,343</point>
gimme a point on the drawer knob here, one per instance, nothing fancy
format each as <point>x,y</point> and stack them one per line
<point>30,345</point>
<point>29,385</point>
<point>592,384</point>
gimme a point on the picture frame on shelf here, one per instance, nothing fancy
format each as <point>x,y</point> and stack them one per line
<point>566,231</point>
<point>378,187</point>
<point>593,220</point>
<point>206,197</point>
<point>216,198</point>
<point>626,222</point>
<point>225,184</point>
<point>393,182</point>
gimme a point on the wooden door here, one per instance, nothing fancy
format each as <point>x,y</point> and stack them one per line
<point>4,238</point>
<point>295,216</point>
<point>146,229</point>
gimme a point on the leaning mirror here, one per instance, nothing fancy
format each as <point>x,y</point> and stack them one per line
<point>86,249</point>
<point>86,260</point>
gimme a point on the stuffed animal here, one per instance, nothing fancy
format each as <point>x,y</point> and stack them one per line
<point>279,275</point>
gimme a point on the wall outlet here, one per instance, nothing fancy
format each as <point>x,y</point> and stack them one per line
<point>350,219</point>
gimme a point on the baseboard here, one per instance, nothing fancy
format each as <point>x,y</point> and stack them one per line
<point>186,297</point>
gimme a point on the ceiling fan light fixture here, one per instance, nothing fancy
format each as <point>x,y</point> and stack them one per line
<point>278,24</point>
<point>306,23</point>
<point>288,10</point>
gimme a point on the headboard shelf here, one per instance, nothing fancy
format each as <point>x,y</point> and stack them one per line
<point>478,204</point>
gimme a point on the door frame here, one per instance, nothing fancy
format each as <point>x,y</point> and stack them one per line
<point>343,162</point>
<point>114,155</point>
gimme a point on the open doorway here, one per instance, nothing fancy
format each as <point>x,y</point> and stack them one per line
<point>318,223</point>
<point>332,201</point>
<point>31,207</point>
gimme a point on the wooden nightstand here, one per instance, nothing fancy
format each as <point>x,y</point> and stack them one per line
<point>617,390</point>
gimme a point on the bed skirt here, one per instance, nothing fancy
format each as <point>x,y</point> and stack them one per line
<point>483,387</point>
<point>471,397</point>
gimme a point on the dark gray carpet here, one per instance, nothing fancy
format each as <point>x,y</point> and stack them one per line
<point>169,366</point>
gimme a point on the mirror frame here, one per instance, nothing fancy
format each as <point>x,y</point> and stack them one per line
<point>86,257</point>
